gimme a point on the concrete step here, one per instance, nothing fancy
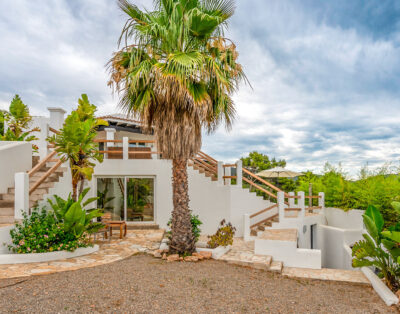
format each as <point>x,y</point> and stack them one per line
<point>7,211</point>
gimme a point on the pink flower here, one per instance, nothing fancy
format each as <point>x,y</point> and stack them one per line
<point>46,236</point>
<point>22,242</point>
<point>29,249</point>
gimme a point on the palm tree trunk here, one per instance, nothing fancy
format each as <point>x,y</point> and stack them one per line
<point>182,239</point>
<point>74,190</point>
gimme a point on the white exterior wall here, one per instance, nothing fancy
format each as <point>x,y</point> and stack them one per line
<point>334,239</point>
<point>5,239</point>
<point>210,200</point>
<point>14,157</point>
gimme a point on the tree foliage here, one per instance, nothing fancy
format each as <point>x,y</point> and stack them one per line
<point>18,120</point>
<point>256,162</point>
<point>75,143</point>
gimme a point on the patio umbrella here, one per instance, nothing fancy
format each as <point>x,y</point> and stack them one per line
<point>278,172</point>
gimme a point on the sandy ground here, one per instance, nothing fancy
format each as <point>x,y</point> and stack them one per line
<point>143,284</point>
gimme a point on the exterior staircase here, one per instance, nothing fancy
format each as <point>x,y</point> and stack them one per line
<point>268,237</point>
<point>7,211</point>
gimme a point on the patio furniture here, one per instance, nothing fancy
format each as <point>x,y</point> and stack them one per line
<point>104,231</point>
<point>106,219</point>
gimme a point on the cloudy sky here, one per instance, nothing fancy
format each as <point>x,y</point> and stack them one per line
<point>325,75</point>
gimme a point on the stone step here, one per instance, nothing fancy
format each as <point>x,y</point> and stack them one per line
<point>6,203</point>
<point>251,260</point>
<point>276,266</point>
<point>141,226</point>
<point>40,189</point>
<point>7,211</point>
<point>287,235</point>
<point>7,219</point>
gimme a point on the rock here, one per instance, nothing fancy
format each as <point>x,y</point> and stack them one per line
<point>164,247</point>
<point>206,254</point>
<point>173,257</point>
<point>199,256</point>
<point>164,256</point>
<point>398,294</point>
<point>191,259</point>
<point>157,254</point>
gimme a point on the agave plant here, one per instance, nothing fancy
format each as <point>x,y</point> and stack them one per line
<point>72,213</point>
<point>380,248</point>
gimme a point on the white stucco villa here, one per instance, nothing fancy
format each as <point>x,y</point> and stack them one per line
<point>134,184</point>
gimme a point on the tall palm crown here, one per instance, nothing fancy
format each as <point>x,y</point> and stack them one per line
<point>176,74</point>
<point>180,72</point>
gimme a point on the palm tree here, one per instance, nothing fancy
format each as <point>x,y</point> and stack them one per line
<point>176,73</point>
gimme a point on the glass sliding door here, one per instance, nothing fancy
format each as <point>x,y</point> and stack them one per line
<point>140,199</point>
<point>111,196</point>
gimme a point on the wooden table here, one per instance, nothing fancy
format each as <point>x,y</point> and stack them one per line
<point>116,223</point>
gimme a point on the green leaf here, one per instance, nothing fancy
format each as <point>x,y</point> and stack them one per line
<point>393,235</point>
<point>376,216</point>
<point>371,227</point>
<point>396,206</point>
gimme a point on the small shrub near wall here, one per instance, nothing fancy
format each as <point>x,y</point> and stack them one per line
<point>223,236</point>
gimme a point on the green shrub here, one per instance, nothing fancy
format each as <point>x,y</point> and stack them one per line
<point>195,221</point>
<point>42,232</point>
<point>223,236</point>
<point>380,248</point>
<point>64,228</point>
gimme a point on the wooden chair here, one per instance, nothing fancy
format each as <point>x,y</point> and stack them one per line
<point>107,220</point>
<point>104,231</point>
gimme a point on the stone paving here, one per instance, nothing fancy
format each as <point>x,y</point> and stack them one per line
<point>136,241</point>
<point>147,241</point>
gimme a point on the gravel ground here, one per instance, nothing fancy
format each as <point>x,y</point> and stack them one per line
<point>143,284</point>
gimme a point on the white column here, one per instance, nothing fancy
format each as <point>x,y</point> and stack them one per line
<point>125,148</point>
<point>246,227</point>
<point>110,135</point>
<point>21,196</point>
<point>301,204</point>
<point>56,117</point>
<point>154,149</point>
<point>227,171</point>
<point>281,205</point>
<point>291,200</point>
<point>220,172</point>
<point>239,173</point>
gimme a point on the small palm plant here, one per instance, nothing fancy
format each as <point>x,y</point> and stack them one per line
<point>176,73</point>
<point>75,143</point>
<point>380,248</point>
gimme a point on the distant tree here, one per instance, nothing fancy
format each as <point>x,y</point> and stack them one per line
<point>1,123</point>
<point>256,162</point>
<point>18,121</point>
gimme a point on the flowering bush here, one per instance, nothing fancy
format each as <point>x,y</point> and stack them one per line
<point>42,232</point>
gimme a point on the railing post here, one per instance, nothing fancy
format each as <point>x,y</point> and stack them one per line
<point>21,196</point>
<point>246,227</point>
<point>321,201</point>
<point>239,173</point>
<point>220,172</point>
<point>291,200</point>
<point>125,148</point>
<point>227,171</point>
<point>110,136</point>
<point>154,149</point>
<point>301,204</point>
<point>281,205</point>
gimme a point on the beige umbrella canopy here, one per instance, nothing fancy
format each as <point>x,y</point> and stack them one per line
<point>278,172</point>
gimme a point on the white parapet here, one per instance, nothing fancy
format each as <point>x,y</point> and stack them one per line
<point>220,172</point>
<point>246,227</point>
<point>239,173</point>
<point>21,197</point>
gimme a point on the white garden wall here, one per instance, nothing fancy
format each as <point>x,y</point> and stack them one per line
<point>14,157</point>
